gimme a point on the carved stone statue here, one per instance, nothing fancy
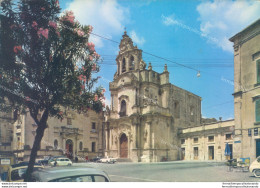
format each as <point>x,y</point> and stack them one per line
<point>142,65</point>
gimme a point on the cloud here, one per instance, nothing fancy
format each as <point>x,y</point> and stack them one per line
<point>137,39</point>
<point>106,16</point>
<point>223,19</point>
<point>172,21</point>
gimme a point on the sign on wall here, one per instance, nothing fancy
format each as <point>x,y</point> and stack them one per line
<point>5,161</point>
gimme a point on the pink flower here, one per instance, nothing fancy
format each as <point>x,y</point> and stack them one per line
<point>58,33</point>
<point>17,48</point>
<point>91,46</point>
<point>34,24</point>
<point>90,57</point>
<point>104,90</point>
<point>84,69</point>
<point>80,33</point>
<point>104,104</point>
<point>94,67</point>
<point>53,24</point>
<point>69,16</point>
<point>82,87</point>
<point>42,8</point>
<point>90,29</point>
<point>60,113</point>
<point>82,78</point>
<point>96,97</point>
<point>43,32</point>
<point>96,55</point>
<point>57,3</point>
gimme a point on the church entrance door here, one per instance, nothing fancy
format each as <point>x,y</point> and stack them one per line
<point>69,149</point>
<point>123,146</point>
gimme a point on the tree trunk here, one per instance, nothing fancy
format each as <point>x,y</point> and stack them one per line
<point>36,145</point>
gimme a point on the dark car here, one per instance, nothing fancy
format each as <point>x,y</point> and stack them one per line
<point>96,159</point>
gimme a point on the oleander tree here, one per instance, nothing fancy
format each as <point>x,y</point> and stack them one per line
<point>47,64</point>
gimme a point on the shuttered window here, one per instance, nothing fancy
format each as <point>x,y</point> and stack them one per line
<point>258,70</point>
<point>257,110</point>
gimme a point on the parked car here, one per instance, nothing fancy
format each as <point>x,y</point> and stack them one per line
<point>96,159</point>
<point>61,162</point>
<point>16,172</point>
<point>53,158</point>
<point>70,174</point>
<point>45,160</point>
<point>107,160</point>
<point>255,167</point>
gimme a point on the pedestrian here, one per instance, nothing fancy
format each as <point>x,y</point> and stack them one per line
<point>76,159</point>
<point>55,163</point>
<point>86,158</point>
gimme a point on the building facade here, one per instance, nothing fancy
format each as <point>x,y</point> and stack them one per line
<point>146,110</point>
<point>247,91</point>
<point>78,135</point>
<point>6,131</point>
<point>207,141</point>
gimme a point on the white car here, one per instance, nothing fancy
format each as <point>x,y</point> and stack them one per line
<point>255,167</point>
<point>107,160</point>
<point>61,162</point>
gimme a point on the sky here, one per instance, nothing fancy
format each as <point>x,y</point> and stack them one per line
<point>193,33</point>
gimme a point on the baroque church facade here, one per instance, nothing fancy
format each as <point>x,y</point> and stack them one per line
<point>146,110</point>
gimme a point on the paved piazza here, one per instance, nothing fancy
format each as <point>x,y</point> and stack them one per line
<point>172,172</point>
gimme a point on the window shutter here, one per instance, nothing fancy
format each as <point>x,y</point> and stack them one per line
<point>258,71</point>
<point>257,110</point>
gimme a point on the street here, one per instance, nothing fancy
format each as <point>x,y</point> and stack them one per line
<point>177,171</point>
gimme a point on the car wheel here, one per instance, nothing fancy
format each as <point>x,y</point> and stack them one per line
<point>69,164</point>
<point>257,173</point>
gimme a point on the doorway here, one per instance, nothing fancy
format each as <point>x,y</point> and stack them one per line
<point>182,153</point>
<point>211,152</point>
<point>257,147</point>
<point>123,146</point>
<point>69,149</point>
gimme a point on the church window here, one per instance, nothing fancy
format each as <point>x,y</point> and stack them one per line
<point>258,71</point>
<point>257,110</point>
<point>123,66</point>
<point>177,109</point>
<point>80,146</point>
<point>93,147</point>
<point>55,144</point>
<point>210,138</point>
<point>123,109</point>
<point>131,66</point>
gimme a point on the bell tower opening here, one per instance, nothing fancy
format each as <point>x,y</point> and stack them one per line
<point>132,63</point>
<point>123,66</point>
<point>122,112</point>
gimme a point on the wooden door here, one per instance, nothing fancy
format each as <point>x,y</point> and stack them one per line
<point>123,146</point>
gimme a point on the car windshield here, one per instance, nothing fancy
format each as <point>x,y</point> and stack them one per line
<point>18,173</point>
<point>88,178</point>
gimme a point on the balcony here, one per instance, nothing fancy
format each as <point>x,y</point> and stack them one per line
<point>93,131</point>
